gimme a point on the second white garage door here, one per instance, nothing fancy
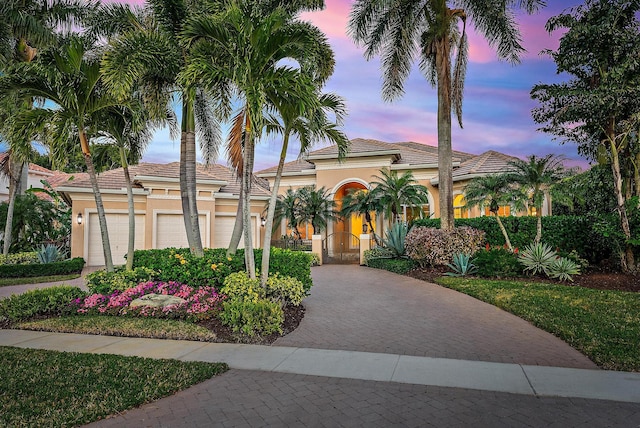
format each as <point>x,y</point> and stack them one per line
<point>223,229</point>
<point>170,231</point>
<point>118,227</point>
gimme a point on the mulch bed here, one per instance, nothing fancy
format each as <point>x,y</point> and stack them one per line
<point>601,280</point>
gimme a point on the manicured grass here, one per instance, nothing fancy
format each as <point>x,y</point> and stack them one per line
<point>603,325</point>
<point>50,388</point>
<point>37,279</point>
<point>122,326</point>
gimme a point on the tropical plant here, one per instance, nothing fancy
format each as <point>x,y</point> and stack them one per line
<point>493,191</point>
<point>597,52</point>
<point>462,265</point>
<point>49,254</point>
<point>563,269</point>
<point>287,207</point>
<point>536,176</point>
<point>316,208</point>
<point>392,192</point>
<point>362,202</point>
<point>145,51</point>
<point>70,77</point>
<point>242,48</point>
<point>400,30</point>
<point>537,258</point>
<point>394,239</point>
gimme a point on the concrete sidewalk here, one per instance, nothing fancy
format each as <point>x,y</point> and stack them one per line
<point>538,381</point>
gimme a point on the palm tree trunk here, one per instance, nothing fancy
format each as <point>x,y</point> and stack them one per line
<point>247,172</point>
<point>627,257</point>
<point>445,152</point>
<point>268,225</point>
<point>504,231</point>
<point>237,226</point>
<point>189,140</point>
<point>102,218</point>
<point>14,185</point>
<point>184,194</point>
<point>131,208</point>
<point>538,225</point>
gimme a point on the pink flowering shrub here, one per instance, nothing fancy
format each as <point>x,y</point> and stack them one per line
<point>432,247</point>
<point>201,303</point>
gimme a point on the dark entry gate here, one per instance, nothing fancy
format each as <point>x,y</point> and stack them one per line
<point>341,247</point>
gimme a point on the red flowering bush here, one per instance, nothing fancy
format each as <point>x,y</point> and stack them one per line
<point>200,303</point>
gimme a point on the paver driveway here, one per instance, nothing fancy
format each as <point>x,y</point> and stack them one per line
<point>362,309</point>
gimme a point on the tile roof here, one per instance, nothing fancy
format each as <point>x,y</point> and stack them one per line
<point>490,162</point>
<point>457,155</point>
<point>297,165</point>
<point>114,179</point>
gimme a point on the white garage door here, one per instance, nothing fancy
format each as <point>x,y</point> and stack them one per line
<point>118,227</point>
<point>223,229</point>
<point>170,231</point>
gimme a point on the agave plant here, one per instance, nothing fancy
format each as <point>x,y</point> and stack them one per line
<point>537,258</point>
<point>394,239</point>
<point>563,268</point>
<point>462,265</point>
<point>49,254</point>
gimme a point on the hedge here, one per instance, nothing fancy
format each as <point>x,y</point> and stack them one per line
<point>595,238</point>
<point>45,301</point>
<point>400,266</point>
<point>177,264</point>
<point>46,269</point>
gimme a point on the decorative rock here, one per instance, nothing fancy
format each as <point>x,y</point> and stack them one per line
<point>156,301</point>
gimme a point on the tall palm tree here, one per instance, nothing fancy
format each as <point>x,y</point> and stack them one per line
<point>535,176</point>
<point>401,30</point>
<point>313,127</point>
<point>317,208</point>
<point>240,51</point>
<point>393,191</point>
<point>362,202</point>
<point>25,26</point>
<point>494,191</point>
<point>145,51</point>
<point>70,78</point>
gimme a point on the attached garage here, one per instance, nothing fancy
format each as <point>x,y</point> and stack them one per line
<point>118,227</point>
<point>223,229</point>
<point>170,230</point>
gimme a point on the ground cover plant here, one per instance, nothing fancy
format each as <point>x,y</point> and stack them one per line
<point>49,388</point>
<point>602,324</point>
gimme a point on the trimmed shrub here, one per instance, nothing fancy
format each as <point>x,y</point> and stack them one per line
<point>103,282</point>
<point>279,289</point>
<point>433,247</point>
<point>497,262</point>
<point>252,317</point>
<point>239,285</point>
<point>376,253</point>
<point>284,289</point>
<point>400,266</point>
<point>45,301</point>
<point>19,258</point>
<point>30,270</point>
<point>177,264</point>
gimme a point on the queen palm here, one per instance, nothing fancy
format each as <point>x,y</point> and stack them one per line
<point>494,191</point>
<point>401,30</point>
<point>535,176</point>
<point>239,51</point>
<point>71,79</point>
<point>310,128</point>
<point>145,51</point>
<point>393,191</point>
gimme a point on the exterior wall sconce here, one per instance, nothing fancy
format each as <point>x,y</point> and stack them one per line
<point>79,218</point>
<point>263,221</point>
<point>365,228</point>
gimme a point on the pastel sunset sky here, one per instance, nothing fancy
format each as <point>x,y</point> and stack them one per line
<point>497,106</point>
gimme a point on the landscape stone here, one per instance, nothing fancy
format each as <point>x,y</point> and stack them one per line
<point>156,301</point>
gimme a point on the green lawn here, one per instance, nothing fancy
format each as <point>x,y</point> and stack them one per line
<point>37,279</point>
<point>50,388</point>
<point>603,325</point>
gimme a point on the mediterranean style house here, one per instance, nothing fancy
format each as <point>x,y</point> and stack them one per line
<point>158,206</point>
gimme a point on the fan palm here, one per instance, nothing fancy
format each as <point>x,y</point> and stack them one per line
<point>401,30</point>
<point>70,78</point>
<point>535,176</point>
<point>239,51</point>
<point>493,191</point>
<point>393,191</point>
<point>145,51</point>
